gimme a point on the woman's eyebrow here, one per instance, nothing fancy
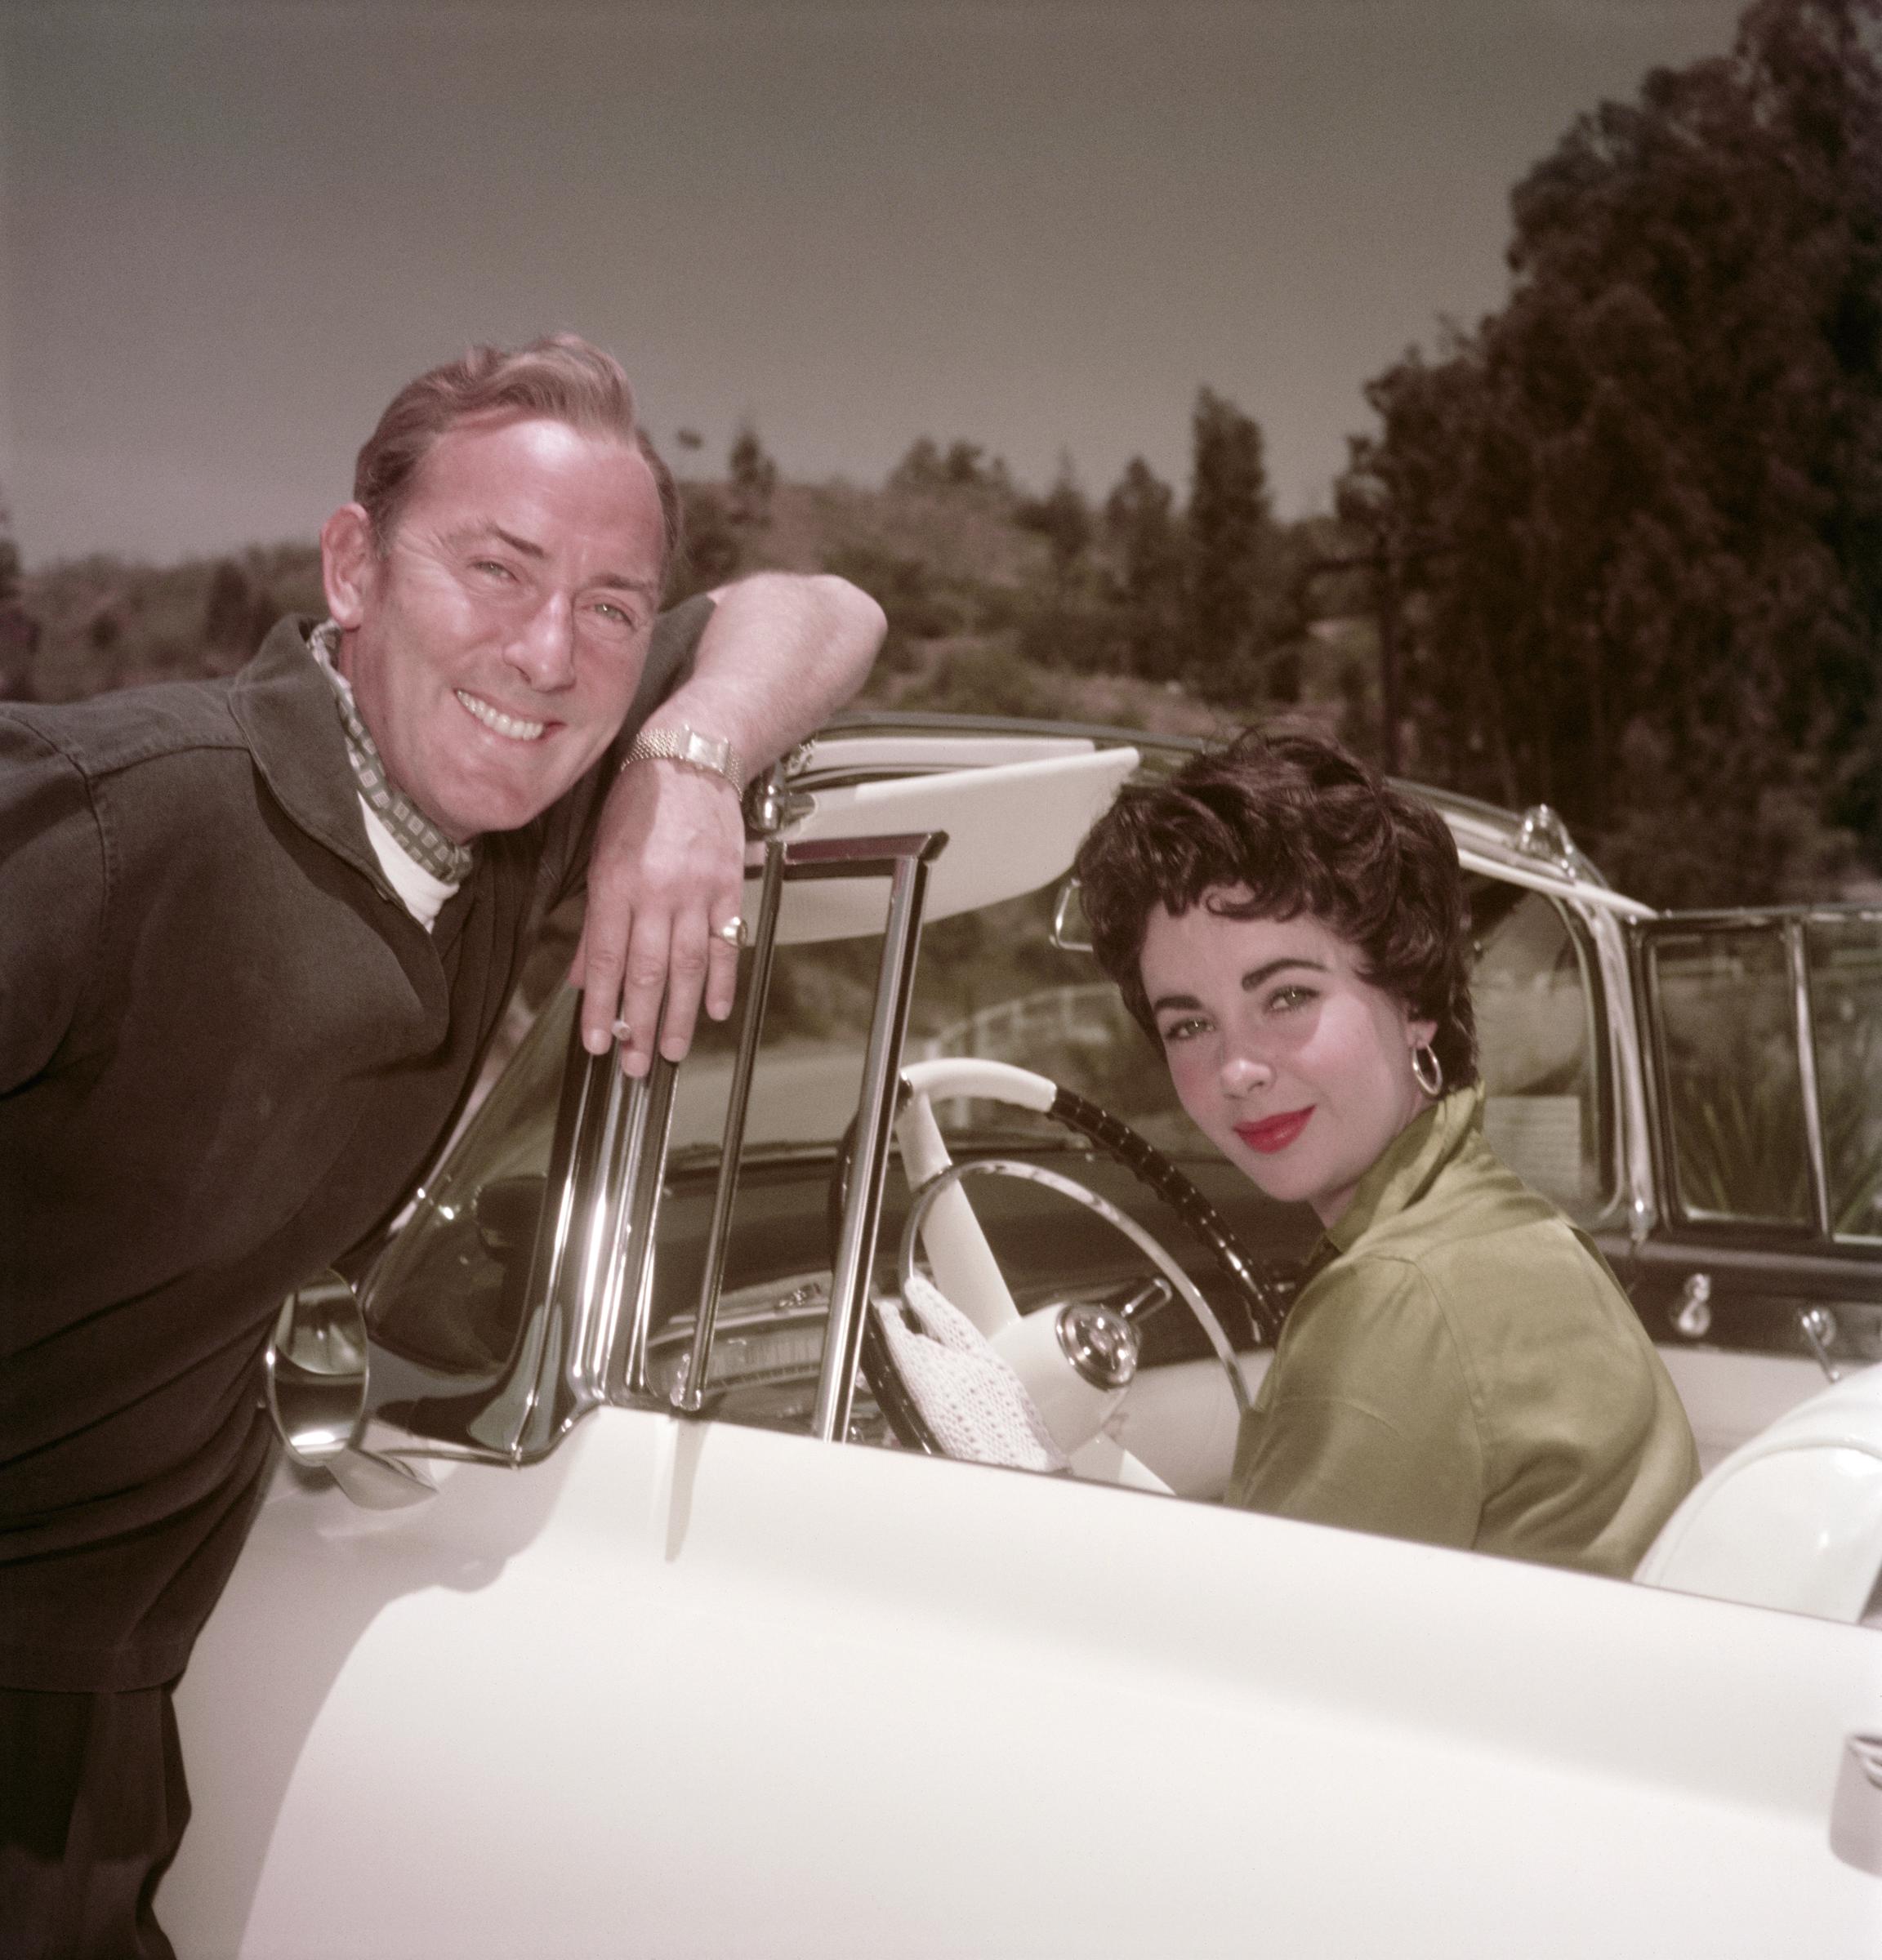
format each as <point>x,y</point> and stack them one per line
<point>1164,1000</point>
<point>1258,975</point>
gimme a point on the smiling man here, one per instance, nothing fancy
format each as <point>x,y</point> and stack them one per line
<point>255,937</point>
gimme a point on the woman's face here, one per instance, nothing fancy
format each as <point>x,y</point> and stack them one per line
<point>1296,1068</point>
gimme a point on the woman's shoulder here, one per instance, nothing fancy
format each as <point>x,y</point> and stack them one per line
<point>1487,1247</point>
<point>1473,1196</point>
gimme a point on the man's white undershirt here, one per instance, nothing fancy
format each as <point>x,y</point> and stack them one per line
<point>422,895</point>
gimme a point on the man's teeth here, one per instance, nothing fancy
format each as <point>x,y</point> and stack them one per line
<point>504,724</point>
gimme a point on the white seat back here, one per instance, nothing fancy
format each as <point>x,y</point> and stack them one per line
<point>1792,1518</point>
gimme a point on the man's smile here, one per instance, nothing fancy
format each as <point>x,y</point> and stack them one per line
<point>512,725</point>
<point>1274,1133</point>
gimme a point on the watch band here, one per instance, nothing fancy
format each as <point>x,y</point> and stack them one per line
<point>712,753</point>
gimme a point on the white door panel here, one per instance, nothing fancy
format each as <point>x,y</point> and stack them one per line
<point>705,1689</point>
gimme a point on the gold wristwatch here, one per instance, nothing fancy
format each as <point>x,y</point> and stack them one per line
<point>710,752</point>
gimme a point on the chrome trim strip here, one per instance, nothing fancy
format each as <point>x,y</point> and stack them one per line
<point>515,1425</point>
<point>637,1206</point>
<point>623,1118</point>
<point>875,1109</point>
<point>1627,1065</point>
<point>689,1394</point>
<point>1798,948</point>
<point>1531,874</point>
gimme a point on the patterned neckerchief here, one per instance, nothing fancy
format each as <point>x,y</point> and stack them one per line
<point>417,834</point>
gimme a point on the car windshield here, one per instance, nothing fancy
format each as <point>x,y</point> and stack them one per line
<point>992,982</point>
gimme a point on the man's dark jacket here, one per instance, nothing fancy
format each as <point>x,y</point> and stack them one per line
<point>227,1052</point>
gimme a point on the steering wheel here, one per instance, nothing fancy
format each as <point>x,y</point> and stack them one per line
<point>1091,1349</point>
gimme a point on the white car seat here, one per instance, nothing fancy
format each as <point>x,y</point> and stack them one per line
<point>1792,1518</point>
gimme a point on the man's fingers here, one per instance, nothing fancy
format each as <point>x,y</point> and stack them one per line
<point>685,982</point>
<point>643,982</point>
<point>597,971</point>
<point>722,974</point>
<point>700,966</point>
<point>668,867</point>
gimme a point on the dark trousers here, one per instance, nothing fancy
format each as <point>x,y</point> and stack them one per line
<point>92,1805</point>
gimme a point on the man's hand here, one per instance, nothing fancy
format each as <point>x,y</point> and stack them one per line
<point>667,872</point>
<point>781,651</point>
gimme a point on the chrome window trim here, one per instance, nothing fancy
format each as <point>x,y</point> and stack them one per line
<point>875,1124</point>
<point>1791,926</point>
<point>1803,1008</point>
<point>1636,1190</point>
<point>690,1393</point>
<point>593,1279</point>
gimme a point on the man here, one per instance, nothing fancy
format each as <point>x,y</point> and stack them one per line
<point>254,937</point>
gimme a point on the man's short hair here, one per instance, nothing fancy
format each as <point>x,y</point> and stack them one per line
<point>560,377</point>
<point>1306,828</point>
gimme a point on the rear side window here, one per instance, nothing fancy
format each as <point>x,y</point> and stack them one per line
<point>1734,1120</point>
<point>1537,998</point>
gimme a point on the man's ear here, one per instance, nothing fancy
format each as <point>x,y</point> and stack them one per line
<point>349,563</point>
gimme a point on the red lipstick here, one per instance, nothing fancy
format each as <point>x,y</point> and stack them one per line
<point>1274,1133</point>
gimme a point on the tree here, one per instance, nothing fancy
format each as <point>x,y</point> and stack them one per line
<point>19,630</point>
<point>10,566</point>
<point>1635,518</point>
<point>964,465</point>
<point>1228,517</point>
<point>712,547</point>
<point>920,469</point>
<point>1147,545</point>
<point>1063,517</point>
<point>228,608</point>
<point>753,481</point>
<point>1241,603</point>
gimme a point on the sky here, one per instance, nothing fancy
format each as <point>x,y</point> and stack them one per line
<point>230,229</point>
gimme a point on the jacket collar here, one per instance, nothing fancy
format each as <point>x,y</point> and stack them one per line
<point>1408,1167</point>
<point>283,704</point>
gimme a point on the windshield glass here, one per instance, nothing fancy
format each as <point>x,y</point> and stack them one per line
<point>990,983</point>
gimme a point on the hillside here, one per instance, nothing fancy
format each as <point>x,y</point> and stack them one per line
<point>988,612</point>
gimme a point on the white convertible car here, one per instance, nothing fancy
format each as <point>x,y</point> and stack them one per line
<point>661,1565</point>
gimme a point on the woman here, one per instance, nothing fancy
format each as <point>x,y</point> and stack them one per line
<point>1459,1366</point>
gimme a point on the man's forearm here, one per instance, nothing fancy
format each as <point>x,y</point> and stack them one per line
<point>782,653</point>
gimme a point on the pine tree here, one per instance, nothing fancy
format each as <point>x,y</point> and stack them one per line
<point>752,481</point>
<point>1147,543</point>
<point>1639,512</point>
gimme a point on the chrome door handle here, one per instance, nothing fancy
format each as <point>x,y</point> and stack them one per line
<point>1817,1324</point>
<point>1693,1316</point>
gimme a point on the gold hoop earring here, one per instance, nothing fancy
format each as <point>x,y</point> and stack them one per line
<point>1427,1071</point>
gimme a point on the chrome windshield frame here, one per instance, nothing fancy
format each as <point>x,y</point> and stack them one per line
<point>593,1274</point>
<point>906,858</point>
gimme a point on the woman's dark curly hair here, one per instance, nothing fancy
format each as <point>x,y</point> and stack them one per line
<point>1306,827</point>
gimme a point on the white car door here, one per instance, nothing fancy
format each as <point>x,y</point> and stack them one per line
<point>689,1687</point>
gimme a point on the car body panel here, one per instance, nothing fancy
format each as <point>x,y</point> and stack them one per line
<point>857,1701</point>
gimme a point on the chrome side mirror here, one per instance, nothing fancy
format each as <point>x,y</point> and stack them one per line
<point>315,1377</point>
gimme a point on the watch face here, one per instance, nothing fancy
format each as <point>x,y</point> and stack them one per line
<point>689,746</point>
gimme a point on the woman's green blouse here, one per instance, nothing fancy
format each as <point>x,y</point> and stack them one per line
<point>1460,1367</point>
